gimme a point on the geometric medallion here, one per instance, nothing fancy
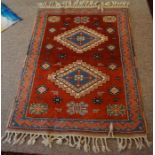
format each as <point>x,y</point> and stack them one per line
<point>81,39</point>
<point>78,78</point>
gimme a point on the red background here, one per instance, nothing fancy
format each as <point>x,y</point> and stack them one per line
<point>51,56</point>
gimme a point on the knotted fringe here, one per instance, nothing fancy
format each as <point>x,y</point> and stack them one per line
<point>84,4</point>
<point>87,143</point>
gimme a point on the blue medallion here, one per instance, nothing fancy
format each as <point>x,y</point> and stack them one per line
<point>80,38</point>
<point>78,78</point>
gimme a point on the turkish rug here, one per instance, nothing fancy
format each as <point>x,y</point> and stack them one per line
<point>79,85</point>
<point>8,17</point>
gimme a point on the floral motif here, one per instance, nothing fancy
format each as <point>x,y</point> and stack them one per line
<point>42,89</point>
<point>83,20</point>
<point>109,19</point>
<point>53,19</point>
<point>97,100</point>
<point>38,108</point>
<point>77,108</point>
<point>116,110</point>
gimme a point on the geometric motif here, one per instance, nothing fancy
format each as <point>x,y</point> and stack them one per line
<point>97,100</point>
<point>83,20</point>
<point>77,108</point>
<point>53,19</point>
<point>38,108</point>
<point>114,91</point>
<point>97,56</point>
<point>78,78</point>
<point>52,30</point>
<point>111,47</point>
<point>112,66</point>
<point>49,46</point>
<point>109,19</point>
<point>81,39</point>
<point>45,66</point>
<point>110,30</point>
<point>116,110</point>
<point>57,100</point>
<point>42,89</point>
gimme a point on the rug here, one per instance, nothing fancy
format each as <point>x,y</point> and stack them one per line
<point>79,86</point>
<point>8,17</point>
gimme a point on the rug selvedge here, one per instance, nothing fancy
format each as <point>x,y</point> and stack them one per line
<point>64,95</point>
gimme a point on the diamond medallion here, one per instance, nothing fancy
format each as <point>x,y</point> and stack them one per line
<point>78,78</point>
<point>81,39</point>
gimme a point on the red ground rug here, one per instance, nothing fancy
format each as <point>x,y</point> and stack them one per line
<point>79,85</point>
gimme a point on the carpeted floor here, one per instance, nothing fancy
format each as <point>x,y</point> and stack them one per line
<point>19,153</point>
<point>15,42</point>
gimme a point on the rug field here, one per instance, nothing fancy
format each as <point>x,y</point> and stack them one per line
<point>79,85</point>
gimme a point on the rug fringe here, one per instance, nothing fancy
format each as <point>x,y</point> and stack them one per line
<point>139,141</point>
<point>101,5</point>
<point>87,143</point>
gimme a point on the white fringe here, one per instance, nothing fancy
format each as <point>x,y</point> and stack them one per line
<point>101,5</point>
<point>126,143</point>
<point>87,143</point>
